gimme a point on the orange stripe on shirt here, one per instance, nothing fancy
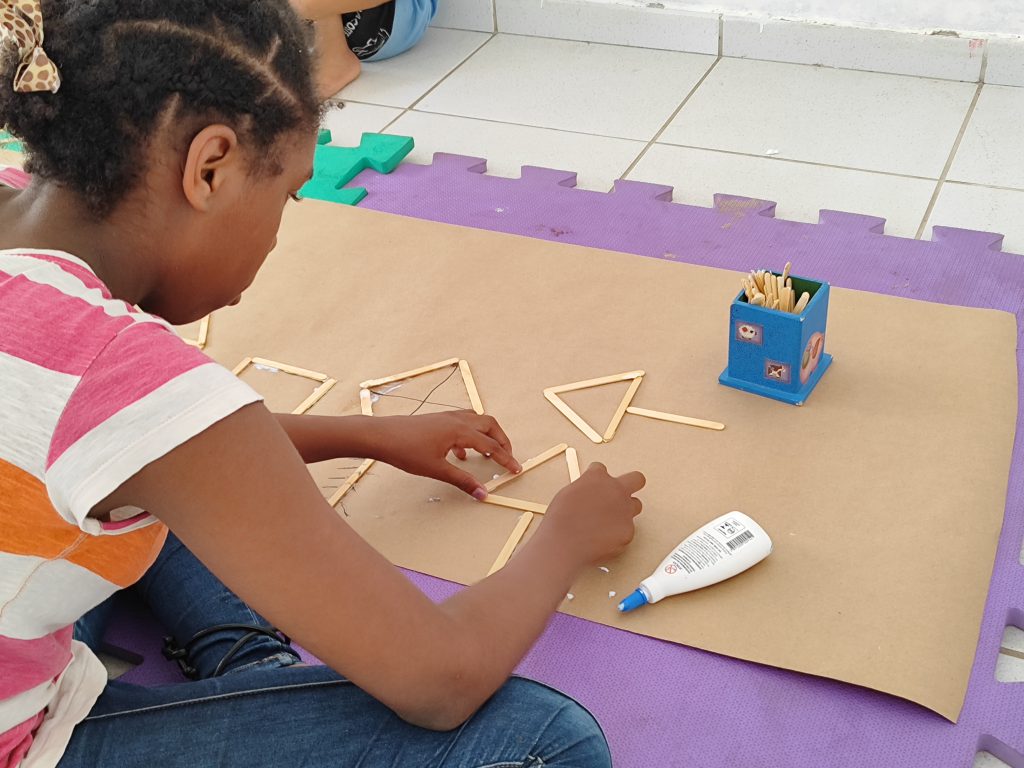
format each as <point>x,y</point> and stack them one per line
<point>31,526</point>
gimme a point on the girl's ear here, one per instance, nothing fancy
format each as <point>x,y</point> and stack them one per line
<point>214,157</point>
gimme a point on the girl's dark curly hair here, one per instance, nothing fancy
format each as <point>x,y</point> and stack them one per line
<point>130,68</point>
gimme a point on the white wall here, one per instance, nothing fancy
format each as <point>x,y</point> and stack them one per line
<point>990,17</point>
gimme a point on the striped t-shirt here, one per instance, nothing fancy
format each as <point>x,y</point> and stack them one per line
<point>91,391</point>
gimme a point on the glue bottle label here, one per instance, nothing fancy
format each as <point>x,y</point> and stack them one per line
<point>722,548</point>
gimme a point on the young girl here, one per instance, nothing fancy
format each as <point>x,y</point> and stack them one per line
<point>348,32</point>
<point>160,167</point>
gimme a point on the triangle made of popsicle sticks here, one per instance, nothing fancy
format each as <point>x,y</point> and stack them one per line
<point>552,395</point>
<point>365,387</point>
<point>528,508</point>
<point>572,462</point>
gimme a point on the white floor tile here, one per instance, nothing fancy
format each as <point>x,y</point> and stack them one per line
<point>990,210</point>
<point>598,160</point>
<point>799,189</point>
<point>398,82</point>
<point>991,150</point>
<point>1010,668</point>
<point>349,123</point>
<point>986,760</point>
<point>465,14</point>
<point>889,123</point>
<point>586,87</point>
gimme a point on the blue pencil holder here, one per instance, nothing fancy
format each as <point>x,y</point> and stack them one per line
<point>778,354</point>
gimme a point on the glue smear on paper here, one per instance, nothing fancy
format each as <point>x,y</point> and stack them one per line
<point>375,396</point>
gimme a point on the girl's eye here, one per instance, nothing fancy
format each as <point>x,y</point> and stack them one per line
<point>295,196</point>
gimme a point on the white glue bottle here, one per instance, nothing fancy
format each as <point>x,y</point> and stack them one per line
<point>726,546</point>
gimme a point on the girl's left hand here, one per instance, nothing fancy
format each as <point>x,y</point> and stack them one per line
<point>420,445</point>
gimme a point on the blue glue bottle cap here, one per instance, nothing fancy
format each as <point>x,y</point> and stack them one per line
<point>634,600</point>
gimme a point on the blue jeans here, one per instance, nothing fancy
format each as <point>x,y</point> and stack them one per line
<point>265,710</point>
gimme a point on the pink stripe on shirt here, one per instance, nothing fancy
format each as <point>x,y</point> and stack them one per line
<point>28,663</point>
<point>156,357</point>
<point>15,743</point>
<point>67,342</point>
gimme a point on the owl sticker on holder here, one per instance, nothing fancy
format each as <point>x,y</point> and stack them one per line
<point>751,333</point>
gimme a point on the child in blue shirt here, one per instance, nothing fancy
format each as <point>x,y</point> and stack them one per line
<point>348,32</point>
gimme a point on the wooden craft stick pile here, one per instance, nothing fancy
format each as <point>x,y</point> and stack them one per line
<point>766,289</point>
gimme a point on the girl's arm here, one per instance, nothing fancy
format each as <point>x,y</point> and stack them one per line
<point>319,438</point>
<point>222,493</point>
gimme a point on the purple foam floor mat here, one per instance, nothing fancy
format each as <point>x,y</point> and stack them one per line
<point>669,705</point>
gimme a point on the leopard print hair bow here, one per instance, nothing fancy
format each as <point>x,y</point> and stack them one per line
<point>21,22</point>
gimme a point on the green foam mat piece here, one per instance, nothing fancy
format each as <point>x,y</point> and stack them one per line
<point>334,167</point>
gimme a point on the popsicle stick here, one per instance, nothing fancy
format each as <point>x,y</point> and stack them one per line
<point>802,304</point>
<point>204,332</point>
<point>314,398</point>
<point>785,271</point>
<point>676,419</point>
<point>775,304</point>
<point>292,369</point>
<point>758,301</point>
<point>514,538</point>
<point>474,395</point>
<point>573,460</point>
<point>366,402</point>
<point>572,416</point>
<point>369,384</point>
<point>594,382</point>
<point>350,481</point>
<point>613,425</point>
<point>536,461</point>
<point>759,279</point>
<point>241,366</point>
<point>201,335</point>
<point>523,506</point>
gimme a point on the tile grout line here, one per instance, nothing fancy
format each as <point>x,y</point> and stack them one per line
<point>949,162</point>
<point>526,125</point>
<point>1011,652</point>
<point>609,45</point>
<point>982,185</point>
<point>796,161</point>
<point>671,117</point>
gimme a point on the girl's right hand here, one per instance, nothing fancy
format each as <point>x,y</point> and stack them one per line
<point>594,516</point>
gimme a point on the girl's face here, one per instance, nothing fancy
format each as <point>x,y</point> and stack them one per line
<point>233,239</point>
